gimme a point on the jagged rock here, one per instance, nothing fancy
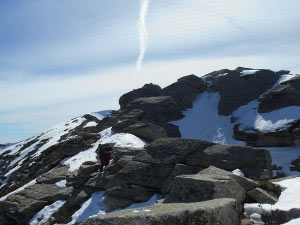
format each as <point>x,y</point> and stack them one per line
<point>244,182</point>
<point>22,206</point>
<point>185,90</point>
<point>148,90</point>
<point>236,90</point>
<point>284,95</point>
<point>252,161</point>
<point>180,169</point>
<point>219,211</point>
<point>145,130</point>
<point>123,196</point>
<point>201,187</point>
<point>262,196</point>
<point>158,109</point>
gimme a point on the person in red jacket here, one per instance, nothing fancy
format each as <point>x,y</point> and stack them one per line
<point>105,153</point>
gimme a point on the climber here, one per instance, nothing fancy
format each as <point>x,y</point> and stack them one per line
<point>105,153</point>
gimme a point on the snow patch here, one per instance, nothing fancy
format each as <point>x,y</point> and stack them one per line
<point>101,114</point>
<point>286,77</point>
<point>94,206</point>
<point>90,124</point>
<point>43,216</point>
<point>61,184</point>
<point>248,72</point>
<point>293,222</point>
<point>238,172</point>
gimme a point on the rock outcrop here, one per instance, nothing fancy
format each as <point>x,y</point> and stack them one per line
<point>185,90</point>
<point>219,211</point>
<point>284,95</point>
<point>237,88</point>
<point>288,135</point>
<point>148,90</point>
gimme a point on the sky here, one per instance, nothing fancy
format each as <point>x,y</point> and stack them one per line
<point>61,59</point>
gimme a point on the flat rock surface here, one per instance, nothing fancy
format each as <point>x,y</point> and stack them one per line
<point>218,211</point>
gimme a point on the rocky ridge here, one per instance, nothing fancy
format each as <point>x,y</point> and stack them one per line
<point>194,174</point>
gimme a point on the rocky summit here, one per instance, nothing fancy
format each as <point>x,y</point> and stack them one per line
<point>203,150</point>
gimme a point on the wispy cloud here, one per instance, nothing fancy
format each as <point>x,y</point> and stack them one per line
<point>142,33</point>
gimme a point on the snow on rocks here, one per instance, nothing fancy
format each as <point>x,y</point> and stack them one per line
<point>94,206</point>
<point>90,124</point>
<point>39,143</point>
<point>288,199</point>
<point>238,172</point>
<point>44,215</point>
<point>107,136</point>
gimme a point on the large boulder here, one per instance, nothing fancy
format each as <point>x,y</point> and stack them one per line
<point>237,87</point>
<point>252,161</point>
<point>244,182</point>
<point>185,90</point>
<point>159,109</point>
<point>148,90</point>
<point>201,187</point>
<point>219,211</point>
<point>142,129</point>
<point>284,95</point>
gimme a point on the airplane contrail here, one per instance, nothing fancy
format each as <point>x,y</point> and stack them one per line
<point>142,33</point>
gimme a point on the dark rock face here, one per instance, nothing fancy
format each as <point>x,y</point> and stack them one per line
<point>185,90</point>
<point>220,211</point>
<point>286,136</point>
<point>145,130</point>
<point>158,109</point>
<point>252,161</point>
<point>284,95</point>
<point>148,90</point>
<point>236,90</point>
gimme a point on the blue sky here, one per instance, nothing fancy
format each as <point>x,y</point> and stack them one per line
<point>60,59</point>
